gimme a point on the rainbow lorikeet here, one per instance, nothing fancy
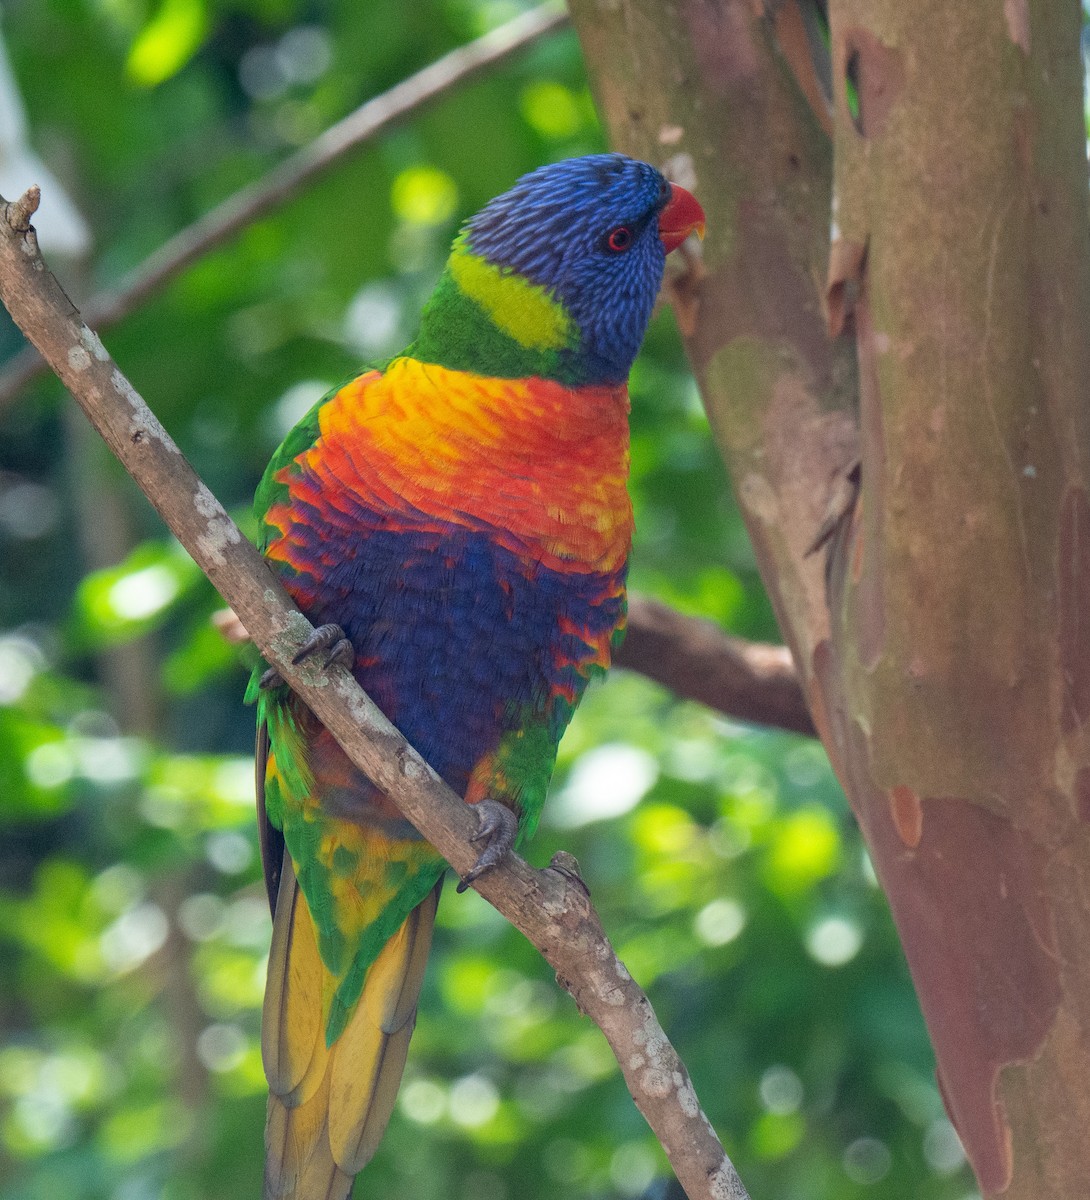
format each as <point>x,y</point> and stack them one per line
<point>457,523</point>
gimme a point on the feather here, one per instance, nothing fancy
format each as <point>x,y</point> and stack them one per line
<point>270,839</point>
<point>329,1106</point>
<point>291,1019</point>
<point>298,1161</point>
<point>369,1057</point>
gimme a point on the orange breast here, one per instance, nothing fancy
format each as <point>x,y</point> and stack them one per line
<point>538,466</point>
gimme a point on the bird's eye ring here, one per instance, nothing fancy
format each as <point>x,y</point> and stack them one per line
<point>619,239</point>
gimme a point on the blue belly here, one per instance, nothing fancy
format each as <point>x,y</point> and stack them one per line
<point>458,640</point>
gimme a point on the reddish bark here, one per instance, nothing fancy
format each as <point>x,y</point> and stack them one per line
<point>945,649</point>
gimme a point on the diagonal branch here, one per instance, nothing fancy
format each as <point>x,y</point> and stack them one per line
<point>550,907</point>
<point>284,181</point>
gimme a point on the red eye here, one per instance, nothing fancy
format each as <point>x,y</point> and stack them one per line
<point>620,239</point>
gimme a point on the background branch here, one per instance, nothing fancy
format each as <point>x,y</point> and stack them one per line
<point>750,681</point>
<point>551,907</point>
<point>285,181</point>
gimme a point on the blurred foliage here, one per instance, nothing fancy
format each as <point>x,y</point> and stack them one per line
<point>133,924</point>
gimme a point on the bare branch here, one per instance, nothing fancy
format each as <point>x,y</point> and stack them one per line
<point>21,210</point>
<point>550,907</point>
<point>746,680</point>
<point>285,181</point>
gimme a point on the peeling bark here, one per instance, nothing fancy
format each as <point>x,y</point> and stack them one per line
<point>945,654</point>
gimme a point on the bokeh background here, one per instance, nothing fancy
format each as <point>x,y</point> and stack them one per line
<point>133,923</point>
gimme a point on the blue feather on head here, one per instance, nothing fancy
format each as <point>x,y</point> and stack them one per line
<point>585,230</point>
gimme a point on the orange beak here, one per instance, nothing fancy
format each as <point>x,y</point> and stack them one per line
<point>681,216</point>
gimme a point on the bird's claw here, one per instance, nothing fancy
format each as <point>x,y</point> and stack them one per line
<point>497,827</point>
<point>270,679</point>
<point>330,638</point>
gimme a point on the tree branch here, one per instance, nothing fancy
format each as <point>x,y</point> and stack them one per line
<point>550,907</point>
<point>749,681</point>
<point>284,181</point>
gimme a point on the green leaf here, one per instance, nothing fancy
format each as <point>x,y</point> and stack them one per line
<point>167,42</point>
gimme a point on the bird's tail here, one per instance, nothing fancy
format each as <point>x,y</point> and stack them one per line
<point>329,1105</point>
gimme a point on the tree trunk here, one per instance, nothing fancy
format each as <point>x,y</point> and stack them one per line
<point>941,335</point>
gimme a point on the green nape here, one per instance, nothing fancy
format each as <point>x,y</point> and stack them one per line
<point>491,321</point>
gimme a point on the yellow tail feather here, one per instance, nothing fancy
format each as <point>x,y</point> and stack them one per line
<point>329,1106</point>
<point>298,1160</point>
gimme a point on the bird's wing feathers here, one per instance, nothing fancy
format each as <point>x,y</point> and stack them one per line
<point>478,609</point>
<point>351,933</point>
<point>291,1023</point>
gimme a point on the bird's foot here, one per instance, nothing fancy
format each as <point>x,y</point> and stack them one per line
<point>271,678</point>
<point>497,827</point>
<point>330,638</point>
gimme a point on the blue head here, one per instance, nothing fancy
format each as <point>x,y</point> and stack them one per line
<point>586,231</point>
<point>558,276</point>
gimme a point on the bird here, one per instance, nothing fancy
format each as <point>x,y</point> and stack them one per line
<point>456,525</point>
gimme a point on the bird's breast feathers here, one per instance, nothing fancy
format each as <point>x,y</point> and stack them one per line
<point>538,467</point>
